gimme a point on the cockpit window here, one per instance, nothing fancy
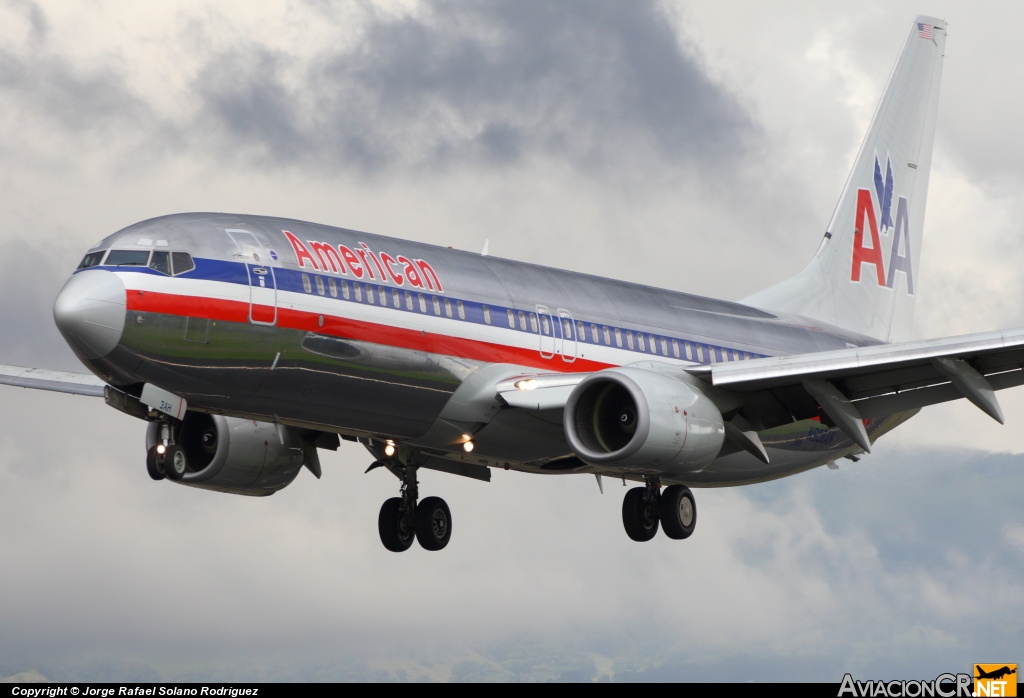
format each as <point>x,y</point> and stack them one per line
<point>182,262</point>
<point>161,262</point>
<point>118,258</point>
<point>92,259</point>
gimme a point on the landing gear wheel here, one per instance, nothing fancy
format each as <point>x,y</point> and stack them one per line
<point>640,515</point>
<point>175,462</point>
<point>433,523</point>
<point>678,512</point>
<point>396,529</point>
<point>155,464</point>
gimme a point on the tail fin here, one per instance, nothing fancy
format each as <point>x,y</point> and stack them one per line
<point>863,277</point>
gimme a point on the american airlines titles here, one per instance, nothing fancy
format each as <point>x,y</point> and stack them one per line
<point>362,262</point>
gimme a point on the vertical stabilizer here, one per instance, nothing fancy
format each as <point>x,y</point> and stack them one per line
<point>864,276</point>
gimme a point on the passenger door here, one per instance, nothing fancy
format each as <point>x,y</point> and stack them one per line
<point>262,282</point>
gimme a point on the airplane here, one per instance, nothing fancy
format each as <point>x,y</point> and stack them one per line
<point>247,343</point>
<point>995,674</point>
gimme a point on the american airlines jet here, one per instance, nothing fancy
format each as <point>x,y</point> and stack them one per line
<point>247,343</point>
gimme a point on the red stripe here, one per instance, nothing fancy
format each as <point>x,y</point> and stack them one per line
<point>347,328</point>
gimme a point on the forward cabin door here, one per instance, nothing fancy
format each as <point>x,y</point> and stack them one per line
<point>262,282</point>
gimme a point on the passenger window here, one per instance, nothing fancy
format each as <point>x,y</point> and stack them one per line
<point>344,289</point>
<point>128,258</point>
<point>462,310</point>
<point>333,287</point>
<point>640,341</point>
<point>664,346</point>
<point>629,340</point>
<point>408,301</point>
<point>581,331</point>
<point>593,334</point>
<point>566,329</point>
<point>306,286</point>
<point>545,323</point>
<point>369,295</point>
<point>161,262</point>
<point>712,355</point>
<point>522,321</point>
<point>437,306</point>
<point>487,315</point>
<point>675,348</point>
<point>92,259</point>
<point>618,337</point>
<point>447,307</point>
<point>700,354</point>
<point>320,285</point>
<point>607,336</point>
<point>511,319</point>
<point>423,303</point>
<point>533,323</point>
<point>383,296</point>
<point>689,351</point>
<point>396,298</point>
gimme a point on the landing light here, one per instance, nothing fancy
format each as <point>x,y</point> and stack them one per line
<point>389,449</point>
<point>528,384</point>
<point>468,446</point>
<point>161,449</point>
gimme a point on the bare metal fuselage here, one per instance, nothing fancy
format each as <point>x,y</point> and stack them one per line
<point>271,326</point>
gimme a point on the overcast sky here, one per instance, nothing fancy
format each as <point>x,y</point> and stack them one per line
<point>697,147</point>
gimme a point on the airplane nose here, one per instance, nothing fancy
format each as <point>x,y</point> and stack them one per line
<point>89,312</point>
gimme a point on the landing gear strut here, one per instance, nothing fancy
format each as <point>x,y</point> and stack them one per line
<point>401,519</point>
<point>645,507</point>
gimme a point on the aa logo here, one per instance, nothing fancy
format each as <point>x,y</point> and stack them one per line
<point>995,680</point>
<point>869,223</point>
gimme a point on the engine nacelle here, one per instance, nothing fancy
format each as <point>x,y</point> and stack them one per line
<point>637,419</point>
<point>239,456</point>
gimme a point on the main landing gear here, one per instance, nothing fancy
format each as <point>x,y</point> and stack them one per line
<point>644,508</point>
<point>402,519</point>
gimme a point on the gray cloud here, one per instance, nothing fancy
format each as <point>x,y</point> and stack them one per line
<point>487,83</point>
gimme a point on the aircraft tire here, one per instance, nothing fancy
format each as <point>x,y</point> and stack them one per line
<point>155,464</point>
<point>395,532</point>
<point>640,522</point>
<point>433,523</point>
<point>678,511</point>
<point>175,462</point>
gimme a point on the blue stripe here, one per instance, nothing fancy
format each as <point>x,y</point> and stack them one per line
<point>291,280</point>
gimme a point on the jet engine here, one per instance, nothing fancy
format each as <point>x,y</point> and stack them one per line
<point>637,419</point>
<point>238,456</point>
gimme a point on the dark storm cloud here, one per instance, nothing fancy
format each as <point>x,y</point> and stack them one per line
<point>488,82</point>
<point>46,87</point>
<point>29,281</point>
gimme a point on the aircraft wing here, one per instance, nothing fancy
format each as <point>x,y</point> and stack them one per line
<point>844,386</point>
<point>59,381</point>
<point>850,385</point>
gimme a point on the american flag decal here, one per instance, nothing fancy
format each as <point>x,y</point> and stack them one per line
<point>924,31</point>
